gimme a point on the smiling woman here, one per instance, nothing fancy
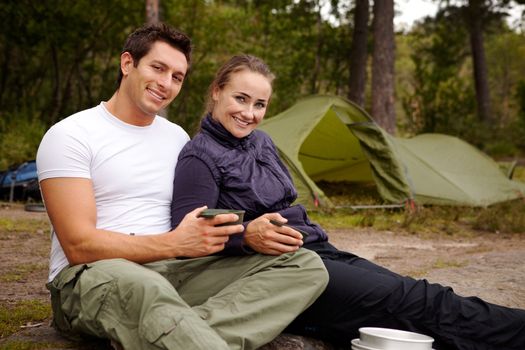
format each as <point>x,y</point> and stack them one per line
<point>239,101</point>
<point>231,165</point>
<point>240,106</point>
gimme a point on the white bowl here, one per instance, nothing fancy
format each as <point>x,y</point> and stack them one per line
<point>356,345</point>
<point>393,339</point>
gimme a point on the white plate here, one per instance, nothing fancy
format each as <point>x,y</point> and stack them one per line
<point>393,339</point>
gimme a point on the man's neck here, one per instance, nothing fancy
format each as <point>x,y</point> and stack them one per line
<point>119,106</point>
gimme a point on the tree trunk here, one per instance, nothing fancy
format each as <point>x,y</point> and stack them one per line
<point>383,109</point>
<point>478,59</point>
<point>54,106</point>
<point>359,53</point>
<point>317,64</point>
<point>152,11</point>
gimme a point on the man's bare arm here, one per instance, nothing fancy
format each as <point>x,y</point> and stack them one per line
<point>70,204</point>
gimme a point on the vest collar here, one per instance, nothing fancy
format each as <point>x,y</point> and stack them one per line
<point>223,136</point>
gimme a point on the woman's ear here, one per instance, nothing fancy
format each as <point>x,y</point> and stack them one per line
<point>215,93</point>
<point>126,62</point>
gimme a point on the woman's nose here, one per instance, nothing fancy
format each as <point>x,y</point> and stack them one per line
<point>248,112</point>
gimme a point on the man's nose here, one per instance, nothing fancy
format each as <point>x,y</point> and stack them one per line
<point>165,81</point>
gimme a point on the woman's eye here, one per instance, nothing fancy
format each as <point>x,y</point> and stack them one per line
<point>240,98</point>
<point>260,105</point>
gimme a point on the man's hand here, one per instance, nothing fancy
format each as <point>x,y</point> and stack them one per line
<point>266,238</point>
<point>70,204</point>
<point>195,237</point>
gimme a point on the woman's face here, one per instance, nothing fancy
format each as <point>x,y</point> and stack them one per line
<point>241,104</point>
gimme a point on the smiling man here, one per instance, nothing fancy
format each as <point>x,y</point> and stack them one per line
<point>106,176</point>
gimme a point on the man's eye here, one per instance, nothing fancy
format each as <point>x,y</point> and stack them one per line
<point>157,67</point>
<point>177,78</point>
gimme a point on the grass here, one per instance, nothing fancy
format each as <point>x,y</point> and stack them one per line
<point>445,264</point>
<point>8,225</point>
<point>31,345</point>
<point>507,217</point>
<point>438,264</point>
<point>519,174</point>
<point>22,271</point>
<point>23,312</point>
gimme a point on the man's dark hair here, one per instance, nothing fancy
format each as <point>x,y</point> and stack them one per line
<point>140,41</point>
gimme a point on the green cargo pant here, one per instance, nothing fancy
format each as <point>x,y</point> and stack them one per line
<point>204,303</point>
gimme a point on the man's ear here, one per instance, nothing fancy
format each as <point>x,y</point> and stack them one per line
<point>126,63</point>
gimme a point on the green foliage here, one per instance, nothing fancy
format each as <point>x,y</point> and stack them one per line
<point>441,98</point>
<point>19,314</point>
<point>520,97</point>
<point>59,57</point>
<point>65,53</point>
<point>20,139</point>
<point>505,52</point>
<point>439,95</point>
<point>283,33</point>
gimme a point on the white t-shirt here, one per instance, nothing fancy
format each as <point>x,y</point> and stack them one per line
<point>131,167</point>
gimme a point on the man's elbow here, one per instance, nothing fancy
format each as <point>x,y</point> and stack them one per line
<point>78,250</point>
<point>77,255</point>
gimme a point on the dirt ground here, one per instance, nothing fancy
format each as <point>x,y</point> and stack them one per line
<point>488,265</point>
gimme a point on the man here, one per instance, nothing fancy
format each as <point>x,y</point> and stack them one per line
<point>106,177</point>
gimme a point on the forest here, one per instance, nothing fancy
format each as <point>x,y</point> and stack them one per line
<point>461,72</point>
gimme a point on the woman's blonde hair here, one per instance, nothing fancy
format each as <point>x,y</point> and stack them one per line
<point>236,64</point>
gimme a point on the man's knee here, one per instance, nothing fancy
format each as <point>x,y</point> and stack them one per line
<point>310,264</point>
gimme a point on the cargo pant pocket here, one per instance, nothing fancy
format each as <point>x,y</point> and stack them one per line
<point>61,290</point>
<point>182,331</point>
<point>92,294</point>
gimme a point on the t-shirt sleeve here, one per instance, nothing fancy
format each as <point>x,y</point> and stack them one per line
<point>63,153</point>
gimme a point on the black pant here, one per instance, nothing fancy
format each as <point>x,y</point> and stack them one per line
<point>362,294</point>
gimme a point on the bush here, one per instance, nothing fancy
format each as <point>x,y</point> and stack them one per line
<point>19,140</point>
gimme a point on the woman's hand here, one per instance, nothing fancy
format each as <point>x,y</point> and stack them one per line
<point>266,238</point>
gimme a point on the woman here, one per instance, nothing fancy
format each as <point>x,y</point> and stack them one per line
<point>230,164</point>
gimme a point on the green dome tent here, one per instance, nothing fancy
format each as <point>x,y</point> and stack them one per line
<point>329,138</point>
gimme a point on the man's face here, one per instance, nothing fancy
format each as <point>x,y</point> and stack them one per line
<point>155,81</point>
